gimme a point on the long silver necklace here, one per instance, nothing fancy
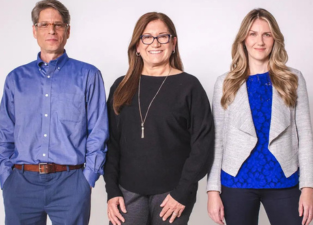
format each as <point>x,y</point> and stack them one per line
<point>143,120</point>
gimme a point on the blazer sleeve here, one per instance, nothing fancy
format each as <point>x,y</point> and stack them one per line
<point>305,137</point>
<point>214,177</point>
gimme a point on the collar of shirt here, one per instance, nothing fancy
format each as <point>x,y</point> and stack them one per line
<point>48,68</point>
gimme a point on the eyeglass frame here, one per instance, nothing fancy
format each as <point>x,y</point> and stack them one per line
<point>157,38</point>
<point>51,24</point>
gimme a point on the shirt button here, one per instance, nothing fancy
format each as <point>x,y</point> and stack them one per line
<point>59,68</point>
<point>45,64</point>
<point>48,76</point>
<point>43,154</point>
<point>45,135</point>
<point>46,115</point>
<point>46,95</point>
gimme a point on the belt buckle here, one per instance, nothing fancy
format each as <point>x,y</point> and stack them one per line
<point>45,170</point>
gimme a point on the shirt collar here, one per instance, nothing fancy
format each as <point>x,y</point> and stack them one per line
<point>58,62</point>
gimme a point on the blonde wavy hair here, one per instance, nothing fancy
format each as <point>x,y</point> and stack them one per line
<point>283,80</point>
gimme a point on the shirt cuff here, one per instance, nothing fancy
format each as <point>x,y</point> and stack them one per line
<point>91,177</point>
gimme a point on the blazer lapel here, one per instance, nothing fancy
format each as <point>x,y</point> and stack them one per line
<point>241,108</point>
<point>280,118</point>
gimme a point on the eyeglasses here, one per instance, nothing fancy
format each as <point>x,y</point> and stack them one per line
<point>56,25</point>
<point>149,39</point>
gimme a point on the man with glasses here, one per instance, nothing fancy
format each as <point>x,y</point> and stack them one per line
<point>53,129</point>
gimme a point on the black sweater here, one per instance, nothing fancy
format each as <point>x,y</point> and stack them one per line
<point>178,145</point>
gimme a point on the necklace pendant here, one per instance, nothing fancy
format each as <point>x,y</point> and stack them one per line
<point>139,106</point>
<point>142,131</point>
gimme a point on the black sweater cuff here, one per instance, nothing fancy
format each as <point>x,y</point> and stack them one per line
<point>112,193</point>
<point>183,193</point>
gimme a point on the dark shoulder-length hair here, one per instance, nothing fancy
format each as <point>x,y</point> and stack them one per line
<point>129,85</point>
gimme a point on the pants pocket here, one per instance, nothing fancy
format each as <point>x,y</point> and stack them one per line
<point>8,180</point>
<point>85,181</point>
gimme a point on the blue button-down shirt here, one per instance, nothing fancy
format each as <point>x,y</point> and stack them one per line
<point>54,113</point>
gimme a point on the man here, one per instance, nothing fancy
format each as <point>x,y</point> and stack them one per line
<point>53,129</point>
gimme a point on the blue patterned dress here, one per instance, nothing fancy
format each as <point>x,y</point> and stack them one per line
<point>261,169</point>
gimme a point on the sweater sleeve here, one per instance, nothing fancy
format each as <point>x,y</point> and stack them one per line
<point>111,175</point>
<point>202,144</point>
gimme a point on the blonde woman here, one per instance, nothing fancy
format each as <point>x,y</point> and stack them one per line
<point>264,148</point>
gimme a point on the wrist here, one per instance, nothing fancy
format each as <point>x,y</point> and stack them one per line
<point>307,189</point>
<point>213,193</point>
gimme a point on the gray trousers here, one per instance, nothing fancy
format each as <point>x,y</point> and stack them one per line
<point>145,209</point>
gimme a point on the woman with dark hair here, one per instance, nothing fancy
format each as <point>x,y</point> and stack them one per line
<point>161,131</point>
<point>263,141</point>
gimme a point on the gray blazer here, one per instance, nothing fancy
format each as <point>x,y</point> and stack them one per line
<point>290,139</point>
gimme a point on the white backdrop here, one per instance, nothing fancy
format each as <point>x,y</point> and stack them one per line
<point>101,31</point>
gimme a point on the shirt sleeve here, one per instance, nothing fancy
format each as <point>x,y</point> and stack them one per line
<point>98,133</point>
<point>201,156</point>
<point>111,175</point>
<point>7,123</point>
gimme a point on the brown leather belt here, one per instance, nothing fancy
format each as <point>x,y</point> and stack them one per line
<point>44,168</point>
